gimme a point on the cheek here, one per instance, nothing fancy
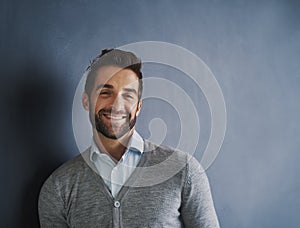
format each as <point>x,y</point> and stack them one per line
<point>133,110</point>
<point>99,103</point>
<point>95,108</point>
<point>98,107</point>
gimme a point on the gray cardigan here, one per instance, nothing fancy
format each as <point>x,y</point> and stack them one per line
<point>175,193</point>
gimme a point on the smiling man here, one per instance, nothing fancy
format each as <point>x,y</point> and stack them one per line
<point>119,181</point>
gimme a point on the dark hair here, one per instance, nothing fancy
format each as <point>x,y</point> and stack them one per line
<point>114,57</point>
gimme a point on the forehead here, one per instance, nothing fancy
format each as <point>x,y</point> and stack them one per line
<point>116,76</point>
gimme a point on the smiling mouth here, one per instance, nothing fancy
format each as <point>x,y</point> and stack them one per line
<point>115,116</point>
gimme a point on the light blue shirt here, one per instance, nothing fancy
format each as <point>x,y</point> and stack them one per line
<point>115,173</point>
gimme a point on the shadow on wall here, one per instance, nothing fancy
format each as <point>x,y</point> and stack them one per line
<point>33,142</point>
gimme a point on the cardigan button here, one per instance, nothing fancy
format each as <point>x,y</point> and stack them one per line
<point>117,204</point>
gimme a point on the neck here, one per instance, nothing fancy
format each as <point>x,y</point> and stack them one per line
<point>114,147</point>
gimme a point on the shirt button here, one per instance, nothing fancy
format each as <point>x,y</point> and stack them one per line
<point>117,204</point>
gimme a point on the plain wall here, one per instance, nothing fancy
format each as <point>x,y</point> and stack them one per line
<point>252,47</point>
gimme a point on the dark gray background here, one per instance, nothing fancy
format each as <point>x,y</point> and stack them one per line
<point>252,47</point>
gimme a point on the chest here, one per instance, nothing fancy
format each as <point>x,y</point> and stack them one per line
<point>150,206</point>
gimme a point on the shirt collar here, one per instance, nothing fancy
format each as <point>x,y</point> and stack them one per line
<point>135,143</point>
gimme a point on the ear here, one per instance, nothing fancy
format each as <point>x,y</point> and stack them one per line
<point>85,101</point>
<point>139,107</point>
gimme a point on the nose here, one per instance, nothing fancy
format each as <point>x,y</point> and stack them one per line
<point>118,103</point>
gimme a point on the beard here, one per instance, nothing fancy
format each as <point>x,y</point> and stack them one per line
<point>111,130</point>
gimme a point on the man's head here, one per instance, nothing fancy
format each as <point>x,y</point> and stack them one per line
<point>113,92</point>
<point>114,57</point>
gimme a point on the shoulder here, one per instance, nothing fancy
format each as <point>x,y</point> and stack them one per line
<point>164,162</point>
<point>75,164</point>
<point>159,153</point>
<point>162,152</point>
<point>69,172</point>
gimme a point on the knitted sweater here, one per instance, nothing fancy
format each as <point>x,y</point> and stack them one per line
<point>168,189</point>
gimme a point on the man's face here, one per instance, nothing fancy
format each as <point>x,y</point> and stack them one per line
<point>113,103</point>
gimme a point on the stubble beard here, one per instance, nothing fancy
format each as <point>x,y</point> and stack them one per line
<point>113,131</point>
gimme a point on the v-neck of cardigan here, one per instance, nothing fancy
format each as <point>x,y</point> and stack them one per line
<point>125,188</point>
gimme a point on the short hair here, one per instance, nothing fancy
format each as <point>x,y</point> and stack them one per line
<point>114,57</point>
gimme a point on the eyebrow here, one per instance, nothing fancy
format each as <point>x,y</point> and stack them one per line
<point>130,90</point>
<point>108,86</point>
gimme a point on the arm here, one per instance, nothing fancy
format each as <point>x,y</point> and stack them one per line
<point>197,209</point>
<point>50,206</point>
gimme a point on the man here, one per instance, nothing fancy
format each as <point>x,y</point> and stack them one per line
<point>123,180</point>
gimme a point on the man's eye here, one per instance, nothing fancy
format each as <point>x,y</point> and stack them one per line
<point>129,96</point>
<point>104,93</point>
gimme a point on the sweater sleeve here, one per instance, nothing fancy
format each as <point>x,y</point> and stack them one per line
<point>50,206</point>
<point>197,209</point>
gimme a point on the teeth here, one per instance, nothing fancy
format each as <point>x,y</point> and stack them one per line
<point>115,117</point>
